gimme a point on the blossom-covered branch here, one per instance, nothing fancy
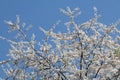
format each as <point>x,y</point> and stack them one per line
<point>87,51</point>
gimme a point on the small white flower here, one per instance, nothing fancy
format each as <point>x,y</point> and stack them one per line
<point>12,25</point>
<point>55,58</point>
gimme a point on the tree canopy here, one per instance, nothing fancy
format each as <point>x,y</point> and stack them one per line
<point>87,51</point>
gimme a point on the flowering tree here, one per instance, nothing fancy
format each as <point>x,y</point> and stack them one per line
<point>87,51</point>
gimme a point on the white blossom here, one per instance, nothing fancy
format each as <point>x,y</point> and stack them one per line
<point>86,51</point>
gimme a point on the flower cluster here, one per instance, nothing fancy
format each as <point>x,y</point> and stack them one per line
<point>86,51</point>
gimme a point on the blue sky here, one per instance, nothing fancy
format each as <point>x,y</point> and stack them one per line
<point>46,12</point>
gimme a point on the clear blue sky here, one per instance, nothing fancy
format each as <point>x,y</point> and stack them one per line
<point>46,12</point>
